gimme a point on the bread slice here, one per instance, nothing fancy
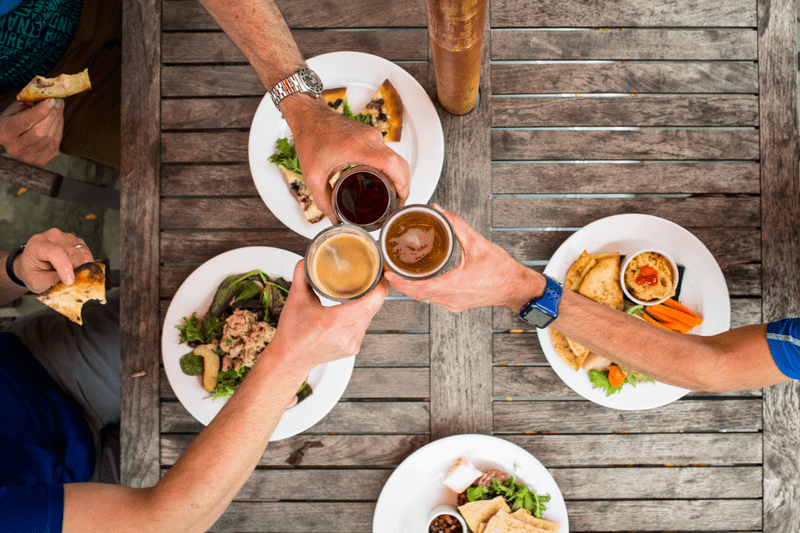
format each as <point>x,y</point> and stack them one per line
<point>386,109</point>
<point>64,85</point>
<point>90,284</point>
<point>301,192</point>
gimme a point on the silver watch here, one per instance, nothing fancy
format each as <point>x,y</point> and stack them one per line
<point>304,80</point>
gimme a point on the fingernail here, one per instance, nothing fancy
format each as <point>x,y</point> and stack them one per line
<point>59,103</point>
<point>51,102</point>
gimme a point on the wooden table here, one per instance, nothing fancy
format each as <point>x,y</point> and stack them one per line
<point>707,119</point>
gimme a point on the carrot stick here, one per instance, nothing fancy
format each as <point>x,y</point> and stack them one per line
<point>664,313</point>
<point>667,323</point>
<point>654,321</point>
<point>615,376</point>
<point>680,307</point>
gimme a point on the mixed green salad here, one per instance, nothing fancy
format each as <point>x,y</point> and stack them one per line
<point>517,496</point>
<point>239,324</point>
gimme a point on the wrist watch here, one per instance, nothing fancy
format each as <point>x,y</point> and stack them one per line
<point>543,310</point>
<point>304,80</point>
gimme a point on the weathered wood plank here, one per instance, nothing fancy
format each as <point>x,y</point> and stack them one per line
<point>381,451</point>
<point>394,349</point>
<point>744,311</point>
<point>395,315</point>
<point>235,80</point>
<point>651,44</point>
<point>208,113</point>
<point>181,15</point>
<point>296,517</point>
<point>557,111</point>
<point>217,213</point>
<point>196,247</point>
<point>777,62</point>
<point>207,180</point>
<point>626,77</point>
<point>643,177</point>
<point>600,145</point>
<point>658,483</point>
<point>139,211</point>
<point>395,418</point>
<point>541,382</point>
<point>658,449</point>
<point>461,343</point>
<point>732,515</point>
<point>392,44</point>
<point>572,213</point>
<point>205,147</point>
<point>341,485</point>
<point>726,245</point>
<point>626,13</point>
<point>405,383</point>
<point>588,417</point>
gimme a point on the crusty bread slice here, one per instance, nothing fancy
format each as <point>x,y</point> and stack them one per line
<point>64,85</point>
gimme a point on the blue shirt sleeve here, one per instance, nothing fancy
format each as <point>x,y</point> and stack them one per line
<point>783,338</point>
<point>34,508</point>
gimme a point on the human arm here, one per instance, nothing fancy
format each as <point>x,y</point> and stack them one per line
<point>325,141</point>
<point>201,484</point>
<point>487,276</point>
<point>33,134</point>
<point>48,258</point>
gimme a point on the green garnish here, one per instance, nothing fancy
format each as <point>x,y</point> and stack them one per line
<point>600,381</point>
<point>516,495</point>
<point>226,381</point>
<point>190,330</point>
<point>191,364</point>
<point>364,118</point>
<point>286,156</point>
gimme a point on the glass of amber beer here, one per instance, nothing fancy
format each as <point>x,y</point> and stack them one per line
<point>417,242</point>
<point>455,30</point>
<point>343,263</point>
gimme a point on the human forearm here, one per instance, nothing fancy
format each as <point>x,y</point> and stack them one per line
<point>9,291</point>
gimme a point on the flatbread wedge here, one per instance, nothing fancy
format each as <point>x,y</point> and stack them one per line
<point>562,347</point>
<point>301,192</point>
<point>90,284</point>
<point>386,109</point>
<point>475,513</point>
<point>601,283</point>
<point>64,85</point>
<point>335,98</point>
<point>525,516</point>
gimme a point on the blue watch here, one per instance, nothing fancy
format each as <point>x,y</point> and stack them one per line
<point>543,310</point>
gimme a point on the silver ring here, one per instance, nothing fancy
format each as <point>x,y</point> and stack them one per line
<point>79,246</point>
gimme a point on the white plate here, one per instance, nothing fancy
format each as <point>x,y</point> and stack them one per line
<point>421,144</point>
<point>703,290</point>
<point>417,485</point>
<point>328,380</point>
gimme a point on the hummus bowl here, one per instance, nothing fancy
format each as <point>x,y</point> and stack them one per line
<point>649,277</point>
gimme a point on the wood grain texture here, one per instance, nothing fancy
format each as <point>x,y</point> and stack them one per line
<point>393,418</point>
<point>32,178</point>
<point>588,417</point>
<point>299,485</point>
<point>694,211</point>
<point>557,111</point>
<point>205,147</point>
<point>233,80</point>
<point>780,195</point>
<point>182,15</point>
<point>679,449</point>
<point>199,247</point>
<point>626,13</point>
<point>461,343</point>
<point>207,180</point>
<point>610,145</point>
<point>626,77</point>
<point>392,44</point>
<point>217,213</point>
<point>373,451</point>
<point>642,177</point>
<point>208,113</point>
<point>139,260</point>
<point>651,44</point>
<point>296,517</point>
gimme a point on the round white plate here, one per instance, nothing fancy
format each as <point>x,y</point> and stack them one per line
<point>417,485</point>
<point>421,144</point>
<point>328,381</point>
<point>703,290</point>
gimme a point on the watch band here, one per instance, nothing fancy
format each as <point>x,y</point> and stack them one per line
<point>10,265</point>
<point>543,310</point>
<point>304,80</point>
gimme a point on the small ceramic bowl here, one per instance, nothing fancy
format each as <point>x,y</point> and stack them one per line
<point>624,269</point>
<point>444,510</point>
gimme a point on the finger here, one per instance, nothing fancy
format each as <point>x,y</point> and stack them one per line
<point>321,194</point>
<point>300,289</point>
<point>363,309</point>
<point>27,119</point>
<point>81,253</point>
<point>59,259</point>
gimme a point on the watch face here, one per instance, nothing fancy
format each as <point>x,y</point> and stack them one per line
<point>311,79</point>
<point>538,318</point>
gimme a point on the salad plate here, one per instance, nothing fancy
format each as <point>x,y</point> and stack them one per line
<point>703,290</point>
<point>421,143</point>
<point>328,381</point>
<point>417,485</point>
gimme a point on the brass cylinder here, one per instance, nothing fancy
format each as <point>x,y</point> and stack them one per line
<point>455,30</point>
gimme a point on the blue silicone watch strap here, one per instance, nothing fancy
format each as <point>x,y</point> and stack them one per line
<point>545,307</point>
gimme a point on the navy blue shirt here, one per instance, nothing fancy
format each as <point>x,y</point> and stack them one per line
<point>33,37</point>
<point>783,338</point>
<point>45,442</point>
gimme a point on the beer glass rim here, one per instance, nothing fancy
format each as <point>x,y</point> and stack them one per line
<point>390,191</point>
<point>325,234</point>
<point>424,209</point>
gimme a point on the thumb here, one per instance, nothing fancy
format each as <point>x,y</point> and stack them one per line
<point>24,119</point>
